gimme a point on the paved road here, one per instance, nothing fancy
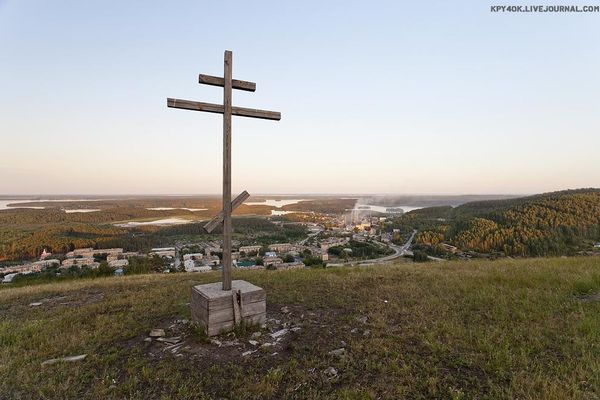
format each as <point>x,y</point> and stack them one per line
<point>303,241</point>
<point>399,251</point>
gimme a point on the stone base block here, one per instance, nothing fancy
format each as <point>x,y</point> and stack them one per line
<point>218,311</point>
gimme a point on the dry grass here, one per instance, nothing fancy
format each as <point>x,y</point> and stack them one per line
<point>527,329</point>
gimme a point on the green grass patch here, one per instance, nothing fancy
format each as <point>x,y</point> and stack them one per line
<point>500,329</point>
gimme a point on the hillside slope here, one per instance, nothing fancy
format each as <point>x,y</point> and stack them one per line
<point>547,224</point>
<point>488,329</point>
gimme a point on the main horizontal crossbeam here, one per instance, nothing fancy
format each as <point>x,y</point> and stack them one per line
<point>235,84</point>
<point>242,197</point>
<point>218,109</point>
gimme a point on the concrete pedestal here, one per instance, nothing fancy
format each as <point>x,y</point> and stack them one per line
<point>218,311</point>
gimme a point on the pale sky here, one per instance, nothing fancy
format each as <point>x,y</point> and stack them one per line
<point>376,97</point>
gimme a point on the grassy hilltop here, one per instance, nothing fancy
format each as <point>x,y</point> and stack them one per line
<point>527,329</point>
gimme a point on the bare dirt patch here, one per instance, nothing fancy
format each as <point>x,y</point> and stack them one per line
<point>288,329</point>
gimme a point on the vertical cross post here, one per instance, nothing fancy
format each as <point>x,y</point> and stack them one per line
<point>227,171</point>
<point>228,84</point>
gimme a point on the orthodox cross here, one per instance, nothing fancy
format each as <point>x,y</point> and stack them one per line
<point>227,83</point>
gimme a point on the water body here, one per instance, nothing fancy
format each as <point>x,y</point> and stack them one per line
<point>4,203</point>
<point>279,212</point>
<point>383,209</point>
<point>275,202</point>
<point>160,222</point>
<point>175,208</point>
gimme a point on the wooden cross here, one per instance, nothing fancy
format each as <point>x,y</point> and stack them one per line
<point>227,83</point>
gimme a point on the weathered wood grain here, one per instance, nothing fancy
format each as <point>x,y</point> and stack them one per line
<point>218,81</point>
<point>238,201</point>
<point>247,298</point>
<point>227,229</point>
<point>208,301</point>
<point>218,109</point>
<point>228,326</point>
<point>228,314</point>
<point>237,300</point>
<point>214,309</point>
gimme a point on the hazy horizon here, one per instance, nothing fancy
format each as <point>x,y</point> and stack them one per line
<point>84,195</point>
<point>394,97</point>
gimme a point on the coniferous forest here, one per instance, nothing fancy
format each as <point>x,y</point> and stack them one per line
<point>558,223</point>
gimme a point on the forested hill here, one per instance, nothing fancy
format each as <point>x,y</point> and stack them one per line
<point>547,224</point>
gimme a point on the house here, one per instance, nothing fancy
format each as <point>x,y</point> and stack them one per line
<point>270,254</point>
<point>191,265</point>
<point>80,262</point>
<point>89,252</point>
<point>212,249</point>
<point>250,249</point>
<point>122,256</point>
<point>323,255</point>
<point>85,252</point>
<point>164,252</point>
<point>193,256</point>
<point>331,242</point>
<point>45,263</point>
<point>267,261</point>
<point>597,245</point>
<point>211,260</point>
<point>36,266</point>
<point>118,264</point>
<point>197,262</point>
<point>281,247</point>
<point>109,252</point>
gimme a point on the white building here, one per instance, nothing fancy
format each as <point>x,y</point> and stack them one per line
<point>195,266</point>
<point>272,261</point>
<point>78,262</point>
<point>193,256</point>
<point>165,252</point>
<point>89,252</point>
<point>332,241</point>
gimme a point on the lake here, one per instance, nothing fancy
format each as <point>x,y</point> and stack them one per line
<point>274,202</point>
<point>160,222</point>
<point>175,208</point>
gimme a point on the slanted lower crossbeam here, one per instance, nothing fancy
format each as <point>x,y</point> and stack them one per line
<point>216,221</point>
